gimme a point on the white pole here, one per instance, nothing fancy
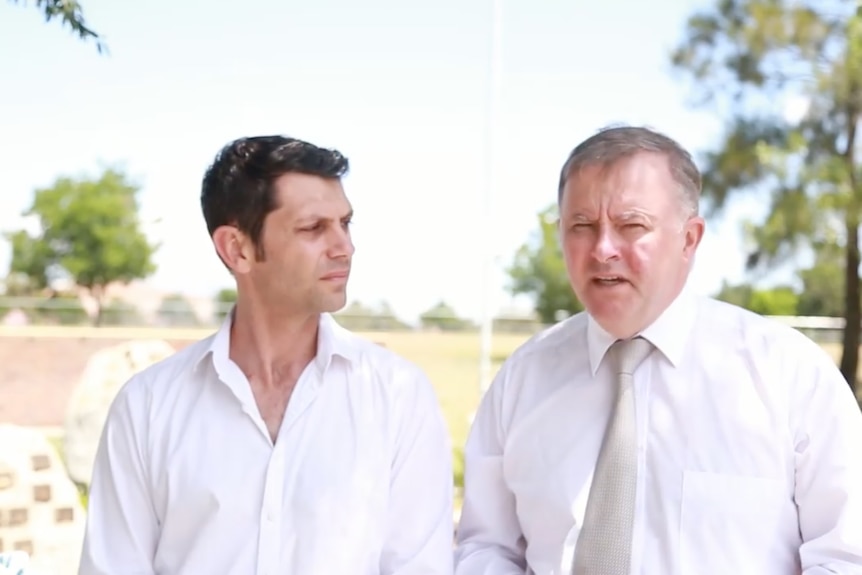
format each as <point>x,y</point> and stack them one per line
<point>491,185</point>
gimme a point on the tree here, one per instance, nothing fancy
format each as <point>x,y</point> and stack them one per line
<point>89,232</point>
<point>30,264</point>
<point>224,300</point>
<point>538,270</point>
<point>176,310</point>
<point>823,284</point>
<point>739,294</point>
<point>443,317</point>
<point>120,313</point>
<point>70,14</point>
<point>746,56</point>
<point>360,317</point>
<point>780,300</point>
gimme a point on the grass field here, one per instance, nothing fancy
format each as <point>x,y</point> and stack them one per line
<point>451,361</point>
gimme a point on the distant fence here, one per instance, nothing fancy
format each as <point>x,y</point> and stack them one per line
<point>820,329</point>
<point>192,313</point>
<point>205,314</point>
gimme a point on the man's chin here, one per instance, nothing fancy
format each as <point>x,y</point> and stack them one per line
<point>333,304</point>
<point>614,317</point>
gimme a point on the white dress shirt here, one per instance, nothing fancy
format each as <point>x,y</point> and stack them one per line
<point>749,451</point>
<point>188,482</point>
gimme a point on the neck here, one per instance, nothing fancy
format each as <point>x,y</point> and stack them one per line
<point>272,346</point>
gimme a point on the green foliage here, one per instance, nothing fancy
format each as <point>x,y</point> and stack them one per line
<point>458,468</point>
<point>89,231</point>
<point>739,294</point>
<point>121,314</point>
<point>56,309</point>
<point>776,301</point>
<point>30,265</point>
<point>443,317</point>
<point>748,57</point>
<point>823,284</point>
<point>70,14</point>
<point>820,295</point>
<point>17,284</point>
<point>224,299</point>
<point>539,270</point>
<point>61,310</point>
<point>176,311</point>
<point>523,325</point>
<point>782,300</point>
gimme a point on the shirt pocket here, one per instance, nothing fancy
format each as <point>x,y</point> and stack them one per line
<point>730,523</point>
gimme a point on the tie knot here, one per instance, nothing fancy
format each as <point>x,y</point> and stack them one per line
<point>629,353</point>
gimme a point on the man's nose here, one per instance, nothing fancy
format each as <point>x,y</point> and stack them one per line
<point>606,246</point>
<point>342,244</point>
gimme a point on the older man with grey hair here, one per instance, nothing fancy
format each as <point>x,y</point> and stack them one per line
<point>658,432</point>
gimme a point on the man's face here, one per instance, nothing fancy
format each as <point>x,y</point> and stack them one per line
<point>627,240</point>
<point>307,246</point>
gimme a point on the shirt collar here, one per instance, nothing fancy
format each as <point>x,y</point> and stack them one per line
<point>669,332</point>
<point>332,340</point>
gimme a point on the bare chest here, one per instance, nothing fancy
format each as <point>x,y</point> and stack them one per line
<point>272,402</point>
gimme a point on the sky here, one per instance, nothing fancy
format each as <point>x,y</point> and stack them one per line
<point>401,88</point>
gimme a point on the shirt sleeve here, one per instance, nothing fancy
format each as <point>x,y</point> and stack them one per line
<point>489,537</point>
<point>828,457</point>
<point>122,528</point>
<point>419,537</point>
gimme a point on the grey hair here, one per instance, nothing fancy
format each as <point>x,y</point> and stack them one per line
<point>614,144</point>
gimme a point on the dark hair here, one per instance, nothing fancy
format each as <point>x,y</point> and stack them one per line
<point>617,143</point>
<point>238,188</point>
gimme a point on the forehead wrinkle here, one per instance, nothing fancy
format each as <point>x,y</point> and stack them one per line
<point>634,214</point>
<point>628,213</point>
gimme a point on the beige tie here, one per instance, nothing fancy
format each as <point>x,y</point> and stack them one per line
<point>604,544</point>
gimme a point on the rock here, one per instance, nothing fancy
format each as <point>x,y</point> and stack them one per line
<point>15,318</point>
<point>106,372</point>
<point>40,508</point>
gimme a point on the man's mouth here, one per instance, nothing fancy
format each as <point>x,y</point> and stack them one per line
<point>340,275</point>
<point>608,280</point>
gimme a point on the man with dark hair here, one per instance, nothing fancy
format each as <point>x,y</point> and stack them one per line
<point>282,443</point>
<point>658,432</point>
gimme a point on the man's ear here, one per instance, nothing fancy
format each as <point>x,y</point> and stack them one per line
<point>234,248</point>
<point>694,229</point>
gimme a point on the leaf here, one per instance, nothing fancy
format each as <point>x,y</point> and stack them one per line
<point>746,58</point>
<point>70,13</point>
<point>538,269</point>
<point>89,230</point>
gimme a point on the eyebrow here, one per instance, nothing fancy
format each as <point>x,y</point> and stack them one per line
<point>634,215</point>
<point>627,215</point>
<point>319,217</point>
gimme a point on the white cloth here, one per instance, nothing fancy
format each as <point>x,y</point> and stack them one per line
<point>749,451</point>
<point>188,482</point>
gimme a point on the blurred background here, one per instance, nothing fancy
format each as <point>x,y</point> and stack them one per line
<point>456,117</point>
